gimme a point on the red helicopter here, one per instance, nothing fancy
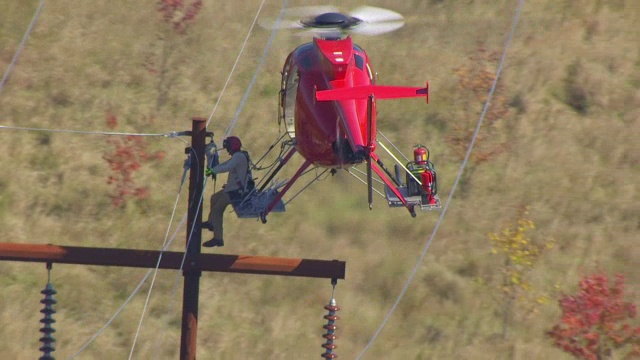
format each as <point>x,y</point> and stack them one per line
<point>328,106</point>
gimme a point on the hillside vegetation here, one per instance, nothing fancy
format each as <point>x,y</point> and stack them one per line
<point>561,140</point>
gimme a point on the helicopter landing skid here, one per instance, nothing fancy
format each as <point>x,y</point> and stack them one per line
<point>415,200</point>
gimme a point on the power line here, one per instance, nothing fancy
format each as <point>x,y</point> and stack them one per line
<point>165,245</point>
<point>135,291</point>
<point>455,184</point>
<point>233,68</point>
<point>258,67</point>
<point>21,46</point>
<point>167,241</point>
<point>171,134</point>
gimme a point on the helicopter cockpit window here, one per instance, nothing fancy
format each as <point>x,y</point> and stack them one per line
<point>359,61</point>
<point>290,92</point>
<point>306,62</point>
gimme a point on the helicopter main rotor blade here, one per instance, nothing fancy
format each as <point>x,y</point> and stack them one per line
<point>372,14</point>
<point>326,21</point>
<point>376,29</point>
<point>376,21</point>
<point>271,24</point>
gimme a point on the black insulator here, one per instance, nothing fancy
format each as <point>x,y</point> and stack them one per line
<point>47,340</point>
<point>331,327</point>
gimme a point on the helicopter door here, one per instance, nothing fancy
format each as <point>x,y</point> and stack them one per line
<point>288,92</point>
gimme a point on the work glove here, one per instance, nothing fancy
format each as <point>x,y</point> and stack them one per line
<point>209,172</point>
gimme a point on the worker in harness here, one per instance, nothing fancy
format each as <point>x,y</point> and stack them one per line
<point>235,188</point>
<point>423,170</point>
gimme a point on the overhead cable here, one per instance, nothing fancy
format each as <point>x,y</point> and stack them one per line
<point>233,68</point>
<point>187,165</point>
<point>171,134</point>
<point>165,245</point>
<point>229,129</point>
<point>455,184</point>
<point>21,46</point>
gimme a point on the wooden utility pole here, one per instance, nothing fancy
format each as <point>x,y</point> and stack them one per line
<point>192,262</point>
<point>191,291</point>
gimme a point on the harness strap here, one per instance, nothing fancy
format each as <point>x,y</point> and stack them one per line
<point>247,175</point>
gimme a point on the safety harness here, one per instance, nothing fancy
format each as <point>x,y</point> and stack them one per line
<point>249,185</point>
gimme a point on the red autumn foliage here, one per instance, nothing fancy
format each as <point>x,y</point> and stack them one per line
<point>129,153</point>
<point>178,14</point>
<point>475,80</point>
<point>597,320</point>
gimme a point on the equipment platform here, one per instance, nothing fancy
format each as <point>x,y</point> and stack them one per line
<point>254,204</point>
<point>416,200</point>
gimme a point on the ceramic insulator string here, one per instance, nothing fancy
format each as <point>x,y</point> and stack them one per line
<point>47,339</point>
<point>331,327</point>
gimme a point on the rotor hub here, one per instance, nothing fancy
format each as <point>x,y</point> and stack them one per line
<point>331,20</point>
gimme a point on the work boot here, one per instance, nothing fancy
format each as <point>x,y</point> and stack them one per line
<point>207,225</point>
<point>213,242</point>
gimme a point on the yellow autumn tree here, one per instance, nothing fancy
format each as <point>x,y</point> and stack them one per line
<point>521,253</point>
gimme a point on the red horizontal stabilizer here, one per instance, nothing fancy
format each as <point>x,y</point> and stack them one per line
<point>378,92</point>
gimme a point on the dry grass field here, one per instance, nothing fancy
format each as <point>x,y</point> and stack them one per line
<point>562,141</point>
